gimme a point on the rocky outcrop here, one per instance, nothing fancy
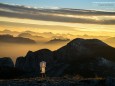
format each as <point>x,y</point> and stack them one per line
<point>30,63</point>
<point>20,61</point>
<point>7,70</point>
<point>6,62</point>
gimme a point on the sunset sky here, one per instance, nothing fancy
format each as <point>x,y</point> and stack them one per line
<point>108,5</point>
<point>95,24</point>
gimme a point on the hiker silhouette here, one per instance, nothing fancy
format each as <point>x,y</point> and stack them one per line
<point>43,68</point>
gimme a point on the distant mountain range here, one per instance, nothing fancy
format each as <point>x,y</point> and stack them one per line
<point>33,37</point>
<point>86,57</point>
<point>51,38</point>
<point>28,36</point>
<point>58,40</point>
<point>11,39</point>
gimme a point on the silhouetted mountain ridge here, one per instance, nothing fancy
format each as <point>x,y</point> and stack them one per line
<point>86,57</point>
<point>80,56</point>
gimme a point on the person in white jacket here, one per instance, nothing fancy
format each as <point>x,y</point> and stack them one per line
<point>43,68</point>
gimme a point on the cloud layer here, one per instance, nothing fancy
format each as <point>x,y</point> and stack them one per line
<point>59,15</point>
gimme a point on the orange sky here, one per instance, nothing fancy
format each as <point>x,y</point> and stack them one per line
<point>73,28</point>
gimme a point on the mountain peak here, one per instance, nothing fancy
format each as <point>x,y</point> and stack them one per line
<point>78,40</point>
<point>81,41</point>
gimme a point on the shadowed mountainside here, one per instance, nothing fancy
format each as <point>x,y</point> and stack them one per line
<point>87,57</point>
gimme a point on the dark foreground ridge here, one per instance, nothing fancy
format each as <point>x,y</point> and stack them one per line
<point>84,57</point>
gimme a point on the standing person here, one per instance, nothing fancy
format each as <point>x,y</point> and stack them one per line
<point>43,68</point>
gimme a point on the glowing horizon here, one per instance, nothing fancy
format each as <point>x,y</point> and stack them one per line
<point>73,27</point>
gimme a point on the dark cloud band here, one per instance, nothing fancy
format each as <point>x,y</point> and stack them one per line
<point>43,14</point>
